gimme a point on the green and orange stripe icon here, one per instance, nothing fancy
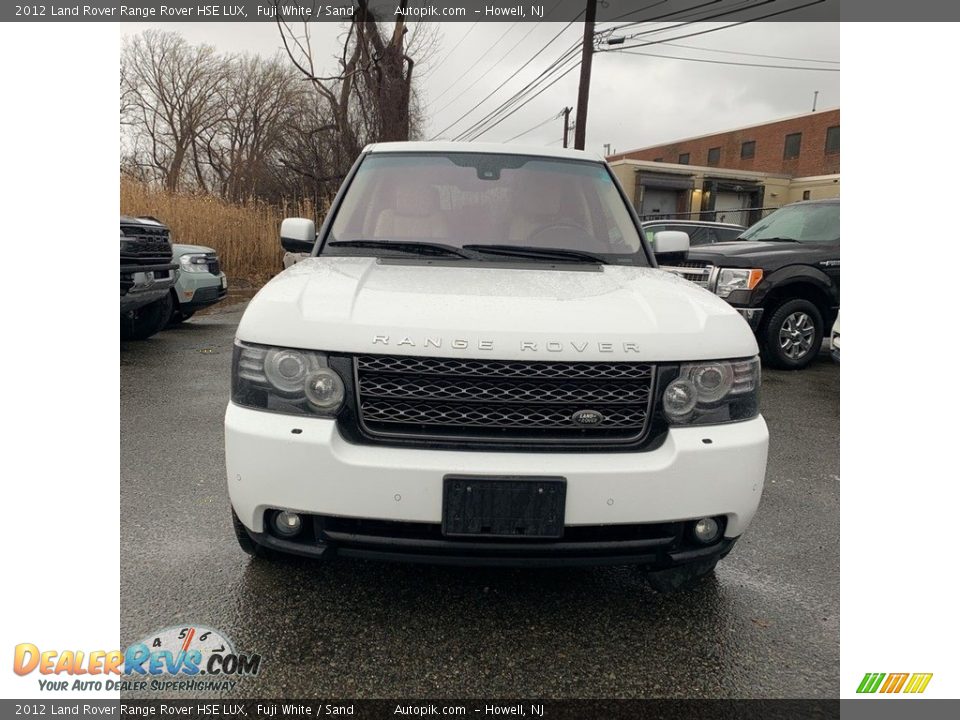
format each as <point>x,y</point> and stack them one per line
<point>894,682</point>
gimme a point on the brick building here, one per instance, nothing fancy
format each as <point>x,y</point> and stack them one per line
<point>800,146</point>
<point>736,175</point>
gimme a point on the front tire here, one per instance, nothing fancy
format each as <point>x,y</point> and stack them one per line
<point>792,335</point>
<point>147,321</point>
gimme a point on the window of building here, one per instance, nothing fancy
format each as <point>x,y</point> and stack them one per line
<point>713,156</point>
<point>833,140</point>
<point>684,158</point>
<point>748,149</point>
<point>806,194</point>
<point>791,146</point>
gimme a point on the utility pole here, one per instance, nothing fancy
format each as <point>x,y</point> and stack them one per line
<point>606,149</point>
<point>566,125</point>
<point>815,93</point>
<point>586,63</point>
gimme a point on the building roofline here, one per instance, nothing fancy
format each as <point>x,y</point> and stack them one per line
<point>676,168</point>
<point>723,132</point>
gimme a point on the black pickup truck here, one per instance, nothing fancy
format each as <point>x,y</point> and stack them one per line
<point>782,274</point>
<point>147,272</point>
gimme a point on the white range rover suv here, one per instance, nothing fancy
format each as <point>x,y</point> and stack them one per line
<point>481,364</point>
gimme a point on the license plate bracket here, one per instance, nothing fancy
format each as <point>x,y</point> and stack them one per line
<point>515,507</point>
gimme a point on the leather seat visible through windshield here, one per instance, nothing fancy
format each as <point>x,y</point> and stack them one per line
<point>416,215</point>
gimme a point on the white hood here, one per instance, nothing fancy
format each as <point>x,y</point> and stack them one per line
<point>359,305</point>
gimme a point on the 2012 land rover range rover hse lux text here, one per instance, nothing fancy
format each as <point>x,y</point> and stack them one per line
<point>480,363</point>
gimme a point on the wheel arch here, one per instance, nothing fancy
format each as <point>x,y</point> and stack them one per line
<point>805,288</point>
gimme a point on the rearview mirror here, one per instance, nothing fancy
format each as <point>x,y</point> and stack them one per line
<point>670,241</point>
<point>298,235</point>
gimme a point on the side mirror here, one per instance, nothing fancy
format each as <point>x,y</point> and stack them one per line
<point>670,241</point>
<point>298,235</point>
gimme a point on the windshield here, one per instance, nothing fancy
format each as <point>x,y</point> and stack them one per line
<point>803,223</point>
<point>475,200</point>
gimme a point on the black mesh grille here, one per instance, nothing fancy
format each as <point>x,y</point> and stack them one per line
<point>498,400</point>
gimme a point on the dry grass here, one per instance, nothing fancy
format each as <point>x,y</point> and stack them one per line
<point>246,237</point>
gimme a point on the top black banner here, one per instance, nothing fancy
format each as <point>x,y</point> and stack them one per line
<point>478,10</point>
<point>484,11</point>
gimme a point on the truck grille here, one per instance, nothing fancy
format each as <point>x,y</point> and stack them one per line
<point>146,245</point>
<point>696,272</point>
<point>213,264</point>
<point>502,400</point>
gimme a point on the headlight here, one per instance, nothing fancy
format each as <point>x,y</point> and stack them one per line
<point>285,380</point>
<point>731,279</point>
<point>194,263</point>
<point>714,392</point>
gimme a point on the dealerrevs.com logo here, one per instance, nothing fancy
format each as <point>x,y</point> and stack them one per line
<point>910,683</point>
<point>187,658</point>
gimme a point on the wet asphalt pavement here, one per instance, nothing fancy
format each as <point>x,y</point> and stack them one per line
<point>768,625</point>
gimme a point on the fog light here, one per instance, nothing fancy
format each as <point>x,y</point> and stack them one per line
<point>286,523</point>
<point>706,530</point>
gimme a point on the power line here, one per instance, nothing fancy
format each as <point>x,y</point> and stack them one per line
<point>490,69</point>
<point>544,75</point>
<point>485,53</point>
<point>535,127</point>
<point>513,75</point>
<point>484,123</point>
<point>730,62</point>
<point>666,15</point>
<point>459,42</point>
<point>530,99</point>
<point>712,30</point>
<point>750,54</point>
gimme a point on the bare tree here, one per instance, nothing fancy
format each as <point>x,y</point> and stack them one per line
<point>371,97</point>
<point>260,99</point>
<point>171,94</point>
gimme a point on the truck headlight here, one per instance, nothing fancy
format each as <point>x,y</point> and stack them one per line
<point>194,263</point>
<point>285,380</point>
<point>731,279</point>
<point>713,392</point>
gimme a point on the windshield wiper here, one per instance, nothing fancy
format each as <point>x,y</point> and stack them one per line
<point>418,248</point>
<point>561,254</point>
<point>775,239</point>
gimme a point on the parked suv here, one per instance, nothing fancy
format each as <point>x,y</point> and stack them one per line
<point>147,274</point>
<point>782,274</point>
<point>201,283</point>
<point>480,363</point>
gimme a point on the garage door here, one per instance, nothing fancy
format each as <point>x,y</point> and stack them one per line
<point>729,207</point>
<point>659,203</point>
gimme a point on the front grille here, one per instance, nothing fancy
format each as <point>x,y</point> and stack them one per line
<point>503,401</point>
<point>213,264</point>
<point>696,272</point>
<point>145,245</point>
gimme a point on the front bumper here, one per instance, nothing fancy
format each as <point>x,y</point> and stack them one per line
<point>200,290</point>
<point>303,464</point>
<point>140,287</point>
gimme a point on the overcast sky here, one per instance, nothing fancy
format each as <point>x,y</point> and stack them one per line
<point>635,101</point>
